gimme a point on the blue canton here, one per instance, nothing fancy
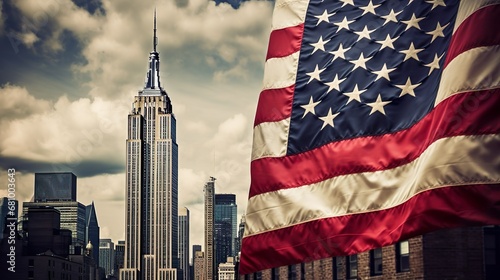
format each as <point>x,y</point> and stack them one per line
<point>367,68</point>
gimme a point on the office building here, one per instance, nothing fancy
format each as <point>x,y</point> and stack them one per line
<point>195,249</point>
<point>241,232</point>
<point>199,266</point>
<point>107,256</point>
<point>209,190</point>
<point>58,186</point>
<point>151,217</point>
<point>183,244</point>
<point>224,227</point>
<point>92,230</point>
<point>226,270</point>
<point>119,256</point>
<point>72,218</point>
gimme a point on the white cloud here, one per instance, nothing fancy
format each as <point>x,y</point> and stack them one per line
<point>16,102</point>
<point>66,132</point>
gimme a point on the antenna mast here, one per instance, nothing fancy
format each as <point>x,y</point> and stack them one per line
<point>155,40</point>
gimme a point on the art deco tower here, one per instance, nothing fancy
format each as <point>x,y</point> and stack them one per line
<point>151,196</point>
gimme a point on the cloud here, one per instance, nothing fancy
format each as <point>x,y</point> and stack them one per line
<point>2,18</point>
<point>16,103</point>
<point>81,134</point>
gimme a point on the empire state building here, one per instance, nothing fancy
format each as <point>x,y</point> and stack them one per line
<point>151,194</point>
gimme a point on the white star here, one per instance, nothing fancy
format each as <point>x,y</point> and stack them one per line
<point>309,108</point>
<point>384,72</point>
<point>360,62</point>
<point>328,119</point>
<point>365,33</point>
<point>315,74</point>
<point>378,105</point>
<point>434,64</point>
<point>391,17</point>
<point>343,24</point>
<point>436,3</point>
<point>354,94</point>
<point>412,22</point>
<point>323,17</point>
<point>407,88</point>
<point>438,32</point>
<point>335,84</point>
<point>411,52</point>
<point>339,52</point>
<point>369,8</point>
<point>351,2</point>
<point>387,42</point>
<point>320,45</point>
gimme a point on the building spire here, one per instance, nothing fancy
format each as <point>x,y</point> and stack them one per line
<point>153,74</point>
<point>155,39</point>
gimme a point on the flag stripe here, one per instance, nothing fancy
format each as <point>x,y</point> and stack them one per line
<point>280,72</point>
<point>476,37</point>
<point>381,189</point>
<point>463,114</point>
<point>266,142</point>
<point>289,13</point>
<point>274,105</point>
<point>483,72</point>
<point>467,8</point>
<point>350,234</point>
<point>284,42</point>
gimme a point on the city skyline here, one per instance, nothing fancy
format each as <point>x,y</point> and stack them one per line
<point>75,79</point>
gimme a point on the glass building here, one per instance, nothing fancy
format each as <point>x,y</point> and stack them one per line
<point>107,256</point>
<point>225,230</point>
<point>92,229</point>
<point>59,186</point>
<point>183,244</point>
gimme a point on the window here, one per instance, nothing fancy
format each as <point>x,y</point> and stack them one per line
<point>275,273</point>
<point>292,274</point>
<point>337,268</point>
<point>376,262</point>
<point>403,256</point>
<point>352,267</point>
<point>302,271</point>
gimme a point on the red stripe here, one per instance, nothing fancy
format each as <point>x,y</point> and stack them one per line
<point>440,208</point>
<point>463,114</point>
<point>274,105</point>
<point>478,30</point>
<point>284,42</point>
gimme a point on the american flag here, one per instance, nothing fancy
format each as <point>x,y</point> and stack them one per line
<point>378,121</point>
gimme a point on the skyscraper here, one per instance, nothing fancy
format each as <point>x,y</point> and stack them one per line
<point>7,215</point>
<point>224,227</point>
<point>209,229</point>
<point>92,229</point>
<point>58,190</point>
<point>184,243</point>
<point>107,255</point>
<point>151,182</point>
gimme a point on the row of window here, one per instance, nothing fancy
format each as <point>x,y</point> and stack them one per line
<point>402,250</point>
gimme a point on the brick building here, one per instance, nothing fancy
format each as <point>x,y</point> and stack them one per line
<point>462,253</point>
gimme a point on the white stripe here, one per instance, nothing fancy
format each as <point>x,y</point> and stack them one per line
<point>280,72</point>
<point>468,7</point>
<point>452,161</point>
<point>475,69</point>
<point>288,13</point>
<point>270,139</point>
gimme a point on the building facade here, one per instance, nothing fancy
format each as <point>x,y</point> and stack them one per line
<point>56,186</point>
<point>225,230</point>
<point>7,215</point>
<point>92,229</point>
<point>226,270</point>
<point>119,255</point>
<point>106,252</point>
<point>199,266</point>
<point>209,229</point>
<point>184,244</point>
<point>151,182</point>
<point>72,218</point>
<point>460,253</point>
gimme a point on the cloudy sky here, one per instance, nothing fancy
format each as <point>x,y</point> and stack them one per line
<point>70,70</point>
